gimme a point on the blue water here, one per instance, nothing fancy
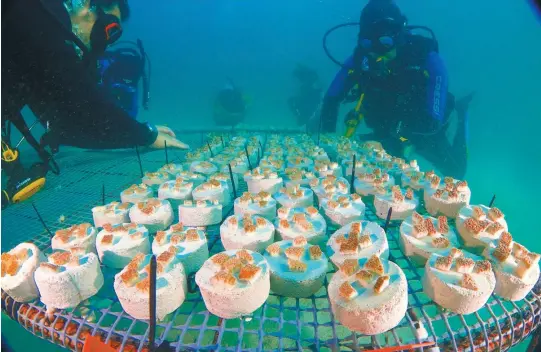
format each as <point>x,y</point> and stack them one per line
<point>490,47</point>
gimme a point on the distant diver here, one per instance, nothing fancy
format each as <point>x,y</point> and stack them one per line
<point>230,105</point>
<point>399,83</point>
<point>308,96</point>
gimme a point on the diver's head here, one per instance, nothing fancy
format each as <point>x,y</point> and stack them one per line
<point>97,22</point>
<point>382,26</point>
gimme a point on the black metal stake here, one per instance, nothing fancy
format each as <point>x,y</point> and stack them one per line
<point>210,149</point>
<point>222,138</point>
<point>152,304</point>
<point>388,220</point>
<point>492,201</point>
<point>139,159</point>
<point>319,129</point>
<point>103,193</point>
<point>232,181</point>
<point>192,287</point>
<point>354,165</point>
<point>248,157</point>
<point>41,220</point>
<point>166,156</point>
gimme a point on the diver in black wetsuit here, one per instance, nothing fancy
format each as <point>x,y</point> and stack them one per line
<point>47,67</point>
<point>400,82</point>
<point>305,102</point>
<point>229,106</point>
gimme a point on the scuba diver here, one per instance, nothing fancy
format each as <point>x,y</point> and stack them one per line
<point>230,105</point>
<point>305,103</point>
<point>400,83</point>
<point>48,49</point>
<point>120,69</point>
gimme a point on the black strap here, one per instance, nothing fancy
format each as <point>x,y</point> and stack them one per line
<point>146,79</point>
<point>47,158</point>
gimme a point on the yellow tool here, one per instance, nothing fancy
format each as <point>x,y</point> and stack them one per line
<point>8,154</point>
<point>22,184</point>
<point>356,117</point>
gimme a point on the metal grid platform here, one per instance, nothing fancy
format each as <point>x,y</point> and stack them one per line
<point>281,324</point>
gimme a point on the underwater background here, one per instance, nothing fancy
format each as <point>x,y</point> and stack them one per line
<point>490,47</point>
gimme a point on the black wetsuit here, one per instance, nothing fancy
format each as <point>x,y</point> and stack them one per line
<point>41,69</point>
<point>406,102</point>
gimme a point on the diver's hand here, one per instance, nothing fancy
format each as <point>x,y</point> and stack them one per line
<point>172,142</point>
<point>166,130</point>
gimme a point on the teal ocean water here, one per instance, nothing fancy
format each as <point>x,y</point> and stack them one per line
<point>490,48</point>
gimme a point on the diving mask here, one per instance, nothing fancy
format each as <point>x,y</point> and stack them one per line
<point>381,36</point>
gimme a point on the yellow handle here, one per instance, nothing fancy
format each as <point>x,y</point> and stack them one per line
<point>359,103</point>
<point>29,190</point>
<point>8,154</point>
<point>353,123</point>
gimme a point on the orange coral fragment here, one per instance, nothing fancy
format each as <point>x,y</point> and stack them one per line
<point>249,272</point>
<point>192,235</point>
<point>482,266</point>
<point>294,252</point>
<point>274,249</point>
<point>430,228</point>
<point>444,263</point>
<point>232,264</point>
<point>128,276</point>
<point>364,277</point>
<point>494,228</point>
<point>315,252</point>
<point>107,240</point>
<point>464,265</point>
<point>60,258</point>
<point>501,253</point>
<point>347,291</point>
<point>261,222</point>
<point>468,282</point>
<point>300,241</point>
<point>381,283</point>
<point>443,225</point>
<point>440,242</point>
<point>245,256</point>
<point>375,265</point>
<point>349,267</point>
<point>219,259</point>
<point>296,265</point>
<point>495,214</point>
<point>473,225</point>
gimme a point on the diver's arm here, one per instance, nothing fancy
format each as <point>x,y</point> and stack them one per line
<point>84,116</point>
<point>337,91</point>
<point>438,82</point>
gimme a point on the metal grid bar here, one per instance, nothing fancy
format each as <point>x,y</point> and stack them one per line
<point>276,326</point>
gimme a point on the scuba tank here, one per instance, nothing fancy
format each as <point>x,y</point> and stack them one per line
<point>119,71</point>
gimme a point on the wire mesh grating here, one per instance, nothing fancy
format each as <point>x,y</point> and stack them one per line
<point>281,324</point>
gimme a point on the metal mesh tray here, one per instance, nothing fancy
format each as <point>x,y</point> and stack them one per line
<point>281,324</point>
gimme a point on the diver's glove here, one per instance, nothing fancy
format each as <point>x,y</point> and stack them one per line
<point>164,136</point>
<point>166,130</point>
<point>171,141</point>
